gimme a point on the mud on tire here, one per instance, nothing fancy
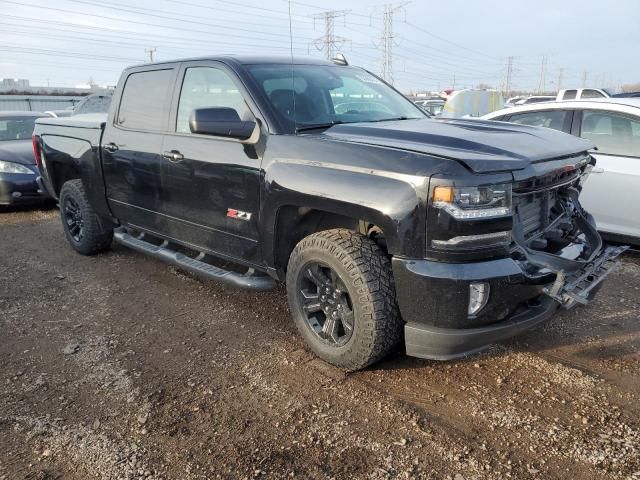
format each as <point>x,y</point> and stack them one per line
<point>358,265</point>
<point>82,226</point>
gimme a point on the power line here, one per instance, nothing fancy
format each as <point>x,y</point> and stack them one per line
<point>329,41</point>
<point>388,39</point>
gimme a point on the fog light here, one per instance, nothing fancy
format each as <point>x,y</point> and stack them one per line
<point>478,296</point>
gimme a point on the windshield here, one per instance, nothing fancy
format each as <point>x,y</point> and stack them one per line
<point>16,128</point>
<point>321,95</point>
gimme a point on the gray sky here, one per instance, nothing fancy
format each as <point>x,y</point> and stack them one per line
<point>66,42</point>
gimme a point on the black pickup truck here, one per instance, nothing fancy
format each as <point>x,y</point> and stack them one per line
<point>386,225</point>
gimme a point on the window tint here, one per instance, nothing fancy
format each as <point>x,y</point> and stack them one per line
<point>612,133</point>
<point>19,128</point>
<point>145,100</point>
<point>589,93</point>
<point>570,94</point>
<point>208,87</point>
<point>551,119</point>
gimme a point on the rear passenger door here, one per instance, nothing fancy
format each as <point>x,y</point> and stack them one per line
<point>132,145</point>
<point>211,194</point>
<point>612,191</point>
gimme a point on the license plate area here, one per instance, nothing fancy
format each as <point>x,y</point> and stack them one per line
<point>572,289</point>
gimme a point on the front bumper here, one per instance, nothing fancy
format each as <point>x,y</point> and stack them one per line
<point>433,298</point>
<point>21,189</point>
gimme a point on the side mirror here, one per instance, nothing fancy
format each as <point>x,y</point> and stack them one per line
<point>221,122</point>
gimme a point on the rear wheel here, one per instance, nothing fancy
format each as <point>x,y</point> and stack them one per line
<point>342,297</point>
<point>82,226</point>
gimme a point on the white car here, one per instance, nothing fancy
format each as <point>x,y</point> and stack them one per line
<point>583,93</point>
<point>612,191</point>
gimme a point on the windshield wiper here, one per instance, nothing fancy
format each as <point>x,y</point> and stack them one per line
<point>318,126</point>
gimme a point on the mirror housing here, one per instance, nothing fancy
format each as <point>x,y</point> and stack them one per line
<point>220,122</point>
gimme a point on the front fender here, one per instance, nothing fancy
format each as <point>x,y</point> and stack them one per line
<point>394,202</point>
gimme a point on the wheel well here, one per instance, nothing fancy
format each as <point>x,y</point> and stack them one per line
<point>60,173</point>
<point>295,223</point>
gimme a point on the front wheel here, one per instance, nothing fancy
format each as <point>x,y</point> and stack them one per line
<point>342,297</point>
<point>82,226</point>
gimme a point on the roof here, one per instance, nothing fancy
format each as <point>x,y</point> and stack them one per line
<point>249,60</point>
<point>621,104</point>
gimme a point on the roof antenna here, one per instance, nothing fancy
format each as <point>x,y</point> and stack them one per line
<point>293,83</point>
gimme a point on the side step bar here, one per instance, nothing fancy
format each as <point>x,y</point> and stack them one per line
<point>249,280</point>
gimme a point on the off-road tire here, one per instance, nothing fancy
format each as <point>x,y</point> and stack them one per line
<point>366,272</point>
<point>96,237</point>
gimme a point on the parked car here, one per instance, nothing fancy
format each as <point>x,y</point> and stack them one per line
<point>613,125</point>
<point>583,93</point>
<point>18,170</point>
<point>386,225</point>
<point>432,107</point>
<point>534,99</point>
<point>95,103</point>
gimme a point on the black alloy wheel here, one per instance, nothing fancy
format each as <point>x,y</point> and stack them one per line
<point>326,303</point>
<point>73,219</point>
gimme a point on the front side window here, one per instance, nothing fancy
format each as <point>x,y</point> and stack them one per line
<point>612,133</point>
<point>570,94</point>
<point>145,100</point>
<point>550,119</point>
<point>308,95</point>
<point>208,87</point>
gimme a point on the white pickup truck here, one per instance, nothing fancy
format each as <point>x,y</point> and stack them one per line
<point>582,93</point>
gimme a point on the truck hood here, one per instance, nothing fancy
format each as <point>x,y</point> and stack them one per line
<point>482,146</point>
<point>17,151</point>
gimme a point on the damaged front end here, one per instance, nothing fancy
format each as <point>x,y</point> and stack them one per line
<point>501,259</point>
<point>553,235</point>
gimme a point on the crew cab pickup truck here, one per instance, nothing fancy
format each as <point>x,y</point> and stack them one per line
<point>387,226</point>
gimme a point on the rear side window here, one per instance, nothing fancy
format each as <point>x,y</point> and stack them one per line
<point>550,119</point>
<point>145,100</point>
<point>589,93</point>
<point>570,94</point>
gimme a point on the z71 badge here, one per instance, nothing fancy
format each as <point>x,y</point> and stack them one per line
<point>238,214</point>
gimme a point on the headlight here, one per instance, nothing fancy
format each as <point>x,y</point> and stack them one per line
<point>474,202</point>
<point>10,167</point>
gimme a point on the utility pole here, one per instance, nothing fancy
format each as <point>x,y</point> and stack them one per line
<point>560,74</point>
<point>150,51</point>
<point>329,41</point>
<point>543,75</point>
<point>387,39</point>
<point>507,81</point>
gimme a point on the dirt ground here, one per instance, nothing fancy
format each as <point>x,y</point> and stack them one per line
<point>120,367</point>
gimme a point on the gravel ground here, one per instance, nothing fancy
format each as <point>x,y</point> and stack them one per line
<point>120,367</point>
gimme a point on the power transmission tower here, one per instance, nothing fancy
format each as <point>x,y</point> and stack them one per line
<point>387,39</point>
<point>543,74</point>
<point>329,41</point>
<point>585,75</point>
<point>150,51</point>
<point>509,74</point>
<point>560,75</point>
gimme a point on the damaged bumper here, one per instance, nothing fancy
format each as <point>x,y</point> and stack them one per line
<point>434,297</point>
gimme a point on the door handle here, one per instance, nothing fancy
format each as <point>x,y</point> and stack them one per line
<point>111,147</point>
<point>173,156</point>
<point>597,170</point>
